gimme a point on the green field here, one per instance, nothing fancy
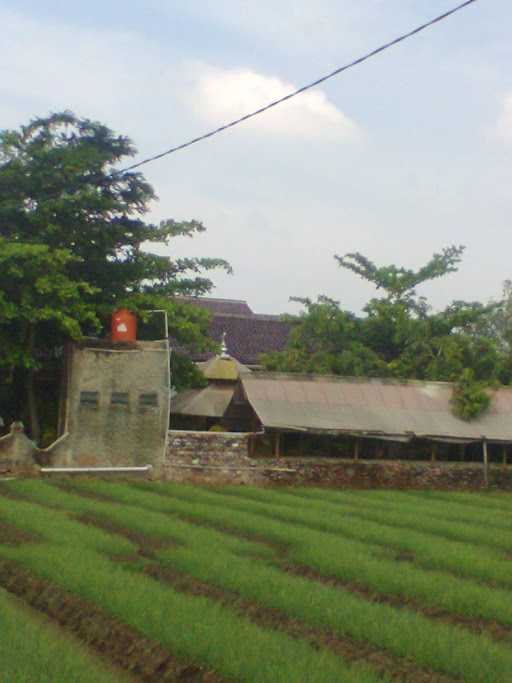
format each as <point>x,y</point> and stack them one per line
<point>139,581</point>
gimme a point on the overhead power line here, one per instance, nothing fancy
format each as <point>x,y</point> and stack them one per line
<point>304,88</point>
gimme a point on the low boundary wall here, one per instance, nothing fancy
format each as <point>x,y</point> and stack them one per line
<point>220,457</point>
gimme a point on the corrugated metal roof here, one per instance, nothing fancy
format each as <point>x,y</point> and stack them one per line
<point>371,407</point>
<point>211,401</point>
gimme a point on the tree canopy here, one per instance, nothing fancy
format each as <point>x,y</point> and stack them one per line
<point>399,335</point>
<point>75,245</point>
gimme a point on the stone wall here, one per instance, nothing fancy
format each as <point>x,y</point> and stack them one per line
<point>218,458</point>
<point>209,457</point>
<point>385,475</point>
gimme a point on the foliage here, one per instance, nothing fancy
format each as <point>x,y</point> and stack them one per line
<point>185,374</point>
<point>399,335</point>
<point>399,283</point>
<point>470,398</point>
<point>35,289</point>
<point>76,245</point>
<point>326,340</point>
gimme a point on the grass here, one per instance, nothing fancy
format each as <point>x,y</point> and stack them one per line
<point>33,650</point>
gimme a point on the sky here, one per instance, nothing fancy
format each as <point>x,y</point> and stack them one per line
<point>396,159</point>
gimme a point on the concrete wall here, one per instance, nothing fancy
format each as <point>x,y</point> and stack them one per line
<point>17,452</point>
<point>117,406</point>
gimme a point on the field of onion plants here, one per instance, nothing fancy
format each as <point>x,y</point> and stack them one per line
<point>143,581</point>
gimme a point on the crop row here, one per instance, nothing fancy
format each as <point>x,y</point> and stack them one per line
<point>498,502</point>
<point>33,650</point>
<point>493,541</point>
<point>428,507</point>
<point>194,628</point>
<point>352,560</point>
<point>205,555</point>
<point>372,527</point>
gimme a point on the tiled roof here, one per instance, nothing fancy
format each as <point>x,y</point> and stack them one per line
<point>248,334</point>
<point>247,337</point>
<point>220,306</point>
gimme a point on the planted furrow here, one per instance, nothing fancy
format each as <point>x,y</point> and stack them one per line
<point>351,650</point>
<point>402,632</point>
<point>500,503</point>
<point>348,559</point>
<point>33,649</point>
<point>112,639</point>
<point>496,525</point>
<point>358,523</point>
<point>492,538</point>
<point>193,628</point>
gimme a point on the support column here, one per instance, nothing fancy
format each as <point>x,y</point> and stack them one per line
<point>486,462</point>
<point>356,449</point>
<point>433,453</point>
<point>504,454</point>
<point>277,444</point>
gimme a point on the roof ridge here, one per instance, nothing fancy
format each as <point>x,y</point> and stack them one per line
<point>298,376</point>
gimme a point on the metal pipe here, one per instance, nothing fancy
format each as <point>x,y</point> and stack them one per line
<point>92,470</point>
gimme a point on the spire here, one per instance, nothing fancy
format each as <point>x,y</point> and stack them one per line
<point>224,349</point>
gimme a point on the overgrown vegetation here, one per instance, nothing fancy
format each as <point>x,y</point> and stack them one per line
<point>470,397</point>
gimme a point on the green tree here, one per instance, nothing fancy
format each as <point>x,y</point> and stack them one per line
<point>399,335</point>
<point>325,339</point>
<point>37,294</point>
<point>60,192</point>
<point>399,284</point>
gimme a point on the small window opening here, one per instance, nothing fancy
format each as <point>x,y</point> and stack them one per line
<point>89,398</point>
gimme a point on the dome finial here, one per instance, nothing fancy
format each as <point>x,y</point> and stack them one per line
<point>224,349</point>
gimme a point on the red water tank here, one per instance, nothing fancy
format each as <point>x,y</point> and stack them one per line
<point>123,326</point>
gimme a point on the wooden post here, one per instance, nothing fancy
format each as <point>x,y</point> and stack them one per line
<point>504,452</point>
<point>462,451</point>
<point>486,462</point>
<point>433,453</point>
<point>356,449</point>
<point>277,444</point>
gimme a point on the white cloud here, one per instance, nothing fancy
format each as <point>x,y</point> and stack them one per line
<point>221,95</point>
<point>505,122</point>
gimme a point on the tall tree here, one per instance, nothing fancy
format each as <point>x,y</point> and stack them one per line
<point>63,203</point>
<point>399,335</point>
<point>399,284</point>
